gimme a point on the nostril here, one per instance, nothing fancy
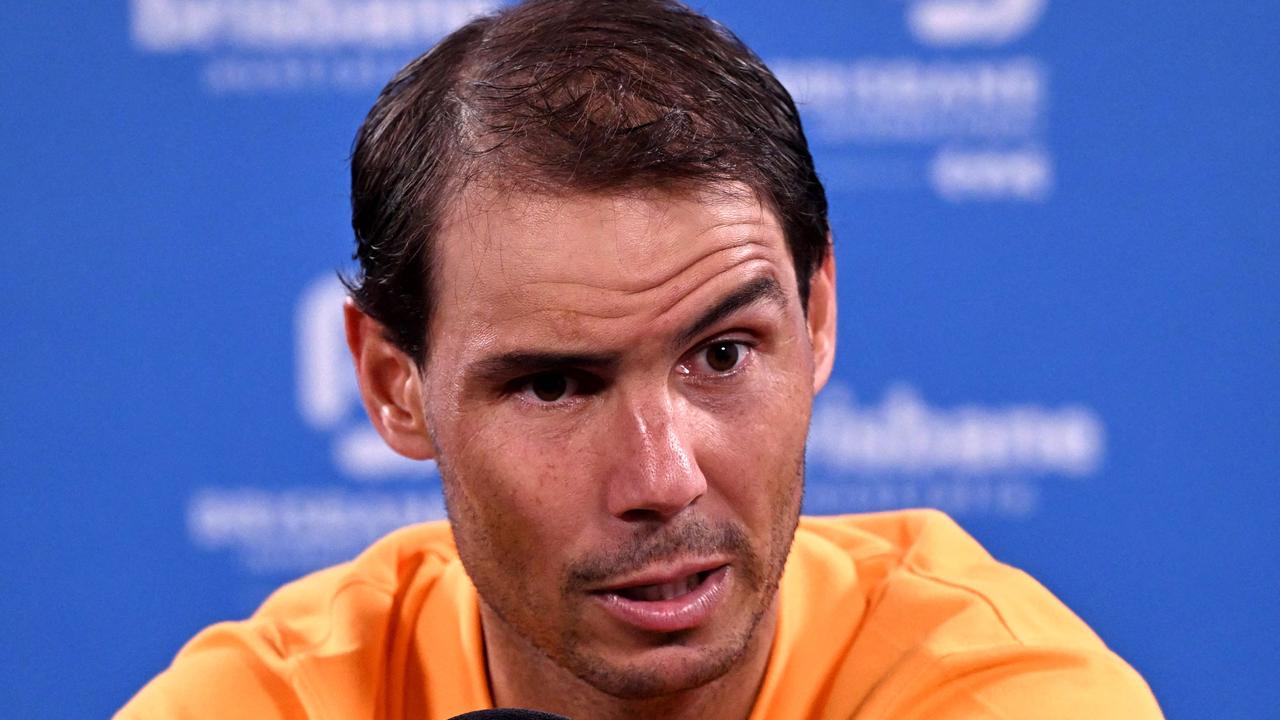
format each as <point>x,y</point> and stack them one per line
<point>643,515</point>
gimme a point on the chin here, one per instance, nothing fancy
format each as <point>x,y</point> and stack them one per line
<point>662,665</point>
<point>658,672</point>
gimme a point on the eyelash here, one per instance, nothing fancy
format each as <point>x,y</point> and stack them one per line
<point>582,384</point>
<point>579,384</point>
<point>746,350</point>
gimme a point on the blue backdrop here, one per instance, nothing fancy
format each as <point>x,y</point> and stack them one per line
<point>1056,228</point>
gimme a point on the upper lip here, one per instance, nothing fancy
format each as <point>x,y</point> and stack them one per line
<point>664,572</point>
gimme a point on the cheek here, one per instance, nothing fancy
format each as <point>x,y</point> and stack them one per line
<point>753,453</point>
<point>510,495</point>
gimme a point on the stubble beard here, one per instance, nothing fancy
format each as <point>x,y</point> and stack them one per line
<point>568,652</point>
<point>759,576</point>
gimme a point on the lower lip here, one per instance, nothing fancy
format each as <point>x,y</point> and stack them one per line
<point>682,613</point>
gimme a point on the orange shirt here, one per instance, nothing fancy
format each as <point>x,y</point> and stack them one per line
<point>891,615</point>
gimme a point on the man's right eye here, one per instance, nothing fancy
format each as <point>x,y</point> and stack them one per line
<point>549,387</point>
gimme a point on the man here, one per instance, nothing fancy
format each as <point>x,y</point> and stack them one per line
<point>597,287</point>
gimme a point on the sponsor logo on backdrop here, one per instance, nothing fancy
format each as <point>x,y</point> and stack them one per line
<point>253,46</point>
<point>971,459</point>
<point>296,530</point>
<point>968,128</point>
<point>912,100</point>
<point>950,23</point>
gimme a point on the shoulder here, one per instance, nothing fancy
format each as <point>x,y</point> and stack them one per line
<point>921,564</point>
<point>946,630</point>
<point>282,662</point>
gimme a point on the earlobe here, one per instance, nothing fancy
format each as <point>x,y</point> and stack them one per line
<point>390,386</point>
<point>822,319</point>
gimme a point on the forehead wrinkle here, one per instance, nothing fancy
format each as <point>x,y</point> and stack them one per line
<point>753,232</point>
<point>639,231</point>
<point>742,250</point>
<point>666,301</point>
<point>479,207</point>
<point>676,326</point>
<point>653,325</point>
<point>746,232</point>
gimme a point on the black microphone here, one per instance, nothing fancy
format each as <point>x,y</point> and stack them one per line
<point>508,714</point>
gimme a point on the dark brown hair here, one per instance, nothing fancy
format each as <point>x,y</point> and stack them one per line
<point>569,95</point>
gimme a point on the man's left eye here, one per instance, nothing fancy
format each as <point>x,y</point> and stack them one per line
<point>722,357</point>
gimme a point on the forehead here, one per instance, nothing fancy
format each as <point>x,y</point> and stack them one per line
<point>527,262</point>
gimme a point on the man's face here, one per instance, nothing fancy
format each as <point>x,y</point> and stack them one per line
<point>618,393</point>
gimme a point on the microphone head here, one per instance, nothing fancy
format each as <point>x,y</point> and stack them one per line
<point>508,714</point>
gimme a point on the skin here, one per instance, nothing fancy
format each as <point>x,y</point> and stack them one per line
<point>673,432</point>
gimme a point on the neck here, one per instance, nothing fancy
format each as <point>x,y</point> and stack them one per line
<point>522,676</point>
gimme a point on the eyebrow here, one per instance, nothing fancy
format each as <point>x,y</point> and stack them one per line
<point>500,367</point>
<point>764,288</point>
<point>506,365</point>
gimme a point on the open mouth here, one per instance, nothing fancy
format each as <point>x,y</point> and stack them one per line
<point>666,603</point>
<point>666,590</point>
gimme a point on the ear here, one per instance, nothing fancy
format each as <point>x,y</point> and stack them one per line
<point>822,318</point>
<point>390,385</point>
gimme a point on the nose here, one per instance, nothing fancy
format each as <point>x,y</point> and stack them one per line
<point>654,474</point>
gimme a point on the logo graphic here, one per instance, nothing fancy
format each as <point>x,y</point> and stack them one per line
<point>969,459</point>
<point>959,175</point>
<point>254,46</point>
<point>969,128</point>
<point>903,100</point>
<point>174,25</point>
<point>297,530</point>
<point>320,523</point>
<point>952,23</point>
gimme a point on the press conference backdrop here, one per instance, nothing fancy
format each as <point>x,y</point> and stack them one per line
<point>1056,230</point>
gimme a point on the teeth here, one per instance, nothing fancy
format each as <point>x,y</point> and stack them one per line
<point>666,591</point>
<point>674,589</point>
